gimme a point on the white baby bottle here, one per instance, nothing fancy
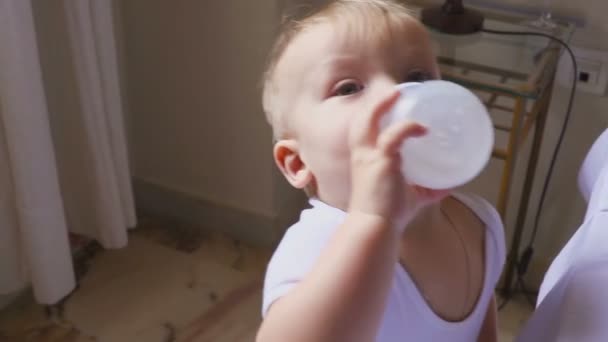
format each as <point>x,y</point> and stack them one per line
<point>460,136</point>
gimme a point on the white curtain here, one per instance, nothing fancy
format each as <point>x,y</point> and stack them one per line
<point>62,168</point>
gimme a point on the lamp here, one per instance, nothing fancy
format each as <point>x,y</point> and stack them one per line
<point>453,18</point>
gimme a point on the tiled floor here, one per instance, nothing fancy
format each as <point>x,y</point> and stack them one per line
<point>512,317</point>
<point>169,284</point>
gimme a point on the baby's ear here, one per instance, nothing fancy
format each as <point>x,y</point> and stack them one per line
<point>287,157</point>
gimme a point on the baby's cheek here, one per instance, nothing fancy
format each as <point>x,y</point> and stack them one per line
<point>332,136</point>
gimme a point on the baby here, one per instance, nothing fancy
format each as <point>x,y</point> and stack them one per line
<point>374,258</point>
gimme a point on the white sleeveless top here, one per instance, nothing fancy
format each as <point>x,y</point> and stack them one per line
<point>573,302</point>
<point>407,315</point>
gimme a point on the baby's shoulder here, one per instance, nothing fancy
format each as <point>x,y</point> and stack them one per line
<point>477,207</point>
<point>304,241</point>
<point>479,211</point>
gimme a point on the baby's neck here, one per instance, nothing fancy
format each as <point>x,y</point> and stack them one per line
<point>427,224</point>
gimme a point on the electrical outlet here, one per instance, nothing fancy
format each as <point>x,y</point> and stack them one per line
<point>592,70</point>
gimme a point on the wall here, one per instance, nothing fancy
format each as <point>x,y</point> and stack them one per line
<point>196,124</point>
<point>6,300</point>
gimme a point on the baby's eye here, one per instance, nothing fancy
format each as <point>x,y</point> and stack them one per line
<point>418,76</point>
<point>347,87</point>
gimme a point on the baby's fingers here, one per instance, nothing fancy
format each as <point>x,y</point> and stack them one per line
<point>367,126</point>
<point>393,136</point>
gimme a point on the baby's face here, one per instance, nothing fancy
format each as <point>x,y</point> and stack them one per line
<point>327,75</point>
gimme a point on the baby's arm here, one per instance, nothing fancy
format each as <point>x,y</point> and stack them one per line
<point>343,297</point>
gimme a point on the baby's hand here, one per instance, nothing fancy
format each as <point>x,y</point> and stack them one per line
<point>378,186</point>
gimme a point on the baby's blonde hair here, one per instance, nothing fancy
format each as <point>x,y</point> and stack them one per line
<point>389,12</point>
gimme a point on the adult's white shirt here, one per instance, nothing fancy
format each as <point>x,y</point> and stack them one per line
<point>573,298</point>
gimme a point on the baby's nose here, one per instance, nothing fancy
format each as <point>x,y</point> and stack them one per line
<point>383,88</point>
